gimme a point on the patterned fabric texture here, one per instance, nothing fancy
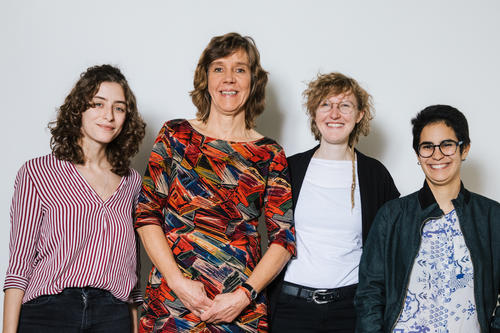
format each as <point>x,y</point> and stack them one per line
<point>440,296</point>
<point>207,195</point>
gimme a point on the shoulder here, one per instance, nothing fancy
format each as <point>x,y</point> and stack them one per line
<point>399,206</point>
<point>43,164</point>
<point>485,202</point>
<point>134,179</point>
<point>43,170</point>
<point>303,157</point>
<point>133,175</point>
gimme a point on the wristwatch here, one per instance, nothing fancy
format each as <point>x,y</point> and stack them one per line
<point>252,293</point>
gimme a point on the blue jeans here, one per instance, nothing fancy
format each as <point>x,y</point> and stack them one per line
<point>75,310</point>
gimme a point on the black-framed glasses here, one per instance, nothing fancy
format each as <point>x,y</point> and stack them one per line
<point>447,148</point>
<point>345,107</point>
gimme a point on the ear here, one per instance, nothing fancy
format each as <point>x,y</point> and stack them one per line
<point>360,116</point>
<point>465,152</point>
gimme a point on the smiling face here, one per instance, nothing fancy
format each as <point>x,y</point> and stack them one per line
<point>335,126</point>
<point>441,170</point>
<point>229,81</point>
<point>103,122</point>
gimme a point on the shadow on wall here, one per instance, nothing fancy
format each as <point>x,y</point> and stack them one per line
<point>470,173</point>
<point>270,122</point>
<point>374,144</point>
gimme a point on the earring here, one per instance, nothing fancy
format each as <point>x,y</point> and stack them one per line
<point>418,162</point>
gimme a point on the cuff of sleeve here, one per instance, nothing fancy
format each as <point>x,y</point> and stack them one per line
<point>15,281</point>
<point>135,296</point>
<point>289,246</point>
<point>150,220</point>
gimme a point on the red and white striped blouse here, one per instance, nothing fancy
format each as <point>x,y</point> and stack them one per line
<point>64,235</point>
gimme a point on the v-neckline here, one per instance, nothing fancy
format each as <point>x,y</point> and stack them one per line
<point>92,190</point>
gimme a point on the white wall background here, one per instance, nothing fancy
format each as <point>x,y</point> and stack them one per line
<point>407,54</point>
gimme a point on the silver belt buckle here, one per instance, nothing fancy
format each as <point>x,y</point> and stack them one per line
<point>319,292</point>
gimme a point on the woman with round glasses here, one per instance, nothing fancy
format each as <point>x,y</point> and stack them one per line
<point>336,192</point>
<point>432,259</point>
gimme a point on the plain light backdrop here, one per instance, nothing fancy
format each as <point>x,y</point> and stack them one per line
<point>407,54</point>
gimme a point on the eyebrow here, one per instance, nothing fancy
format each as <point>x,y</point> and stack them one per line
<point>105,99</point>
<point>421,143</point>
<point>221,63</point>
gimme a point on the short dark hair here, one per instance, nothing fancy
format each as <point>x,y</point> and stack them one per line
<point>66,129</point>
<point>441,113</point>
<point>220,47</point>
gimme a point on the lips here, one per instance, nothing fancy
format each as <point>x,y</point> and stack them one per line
<point>106,127</point>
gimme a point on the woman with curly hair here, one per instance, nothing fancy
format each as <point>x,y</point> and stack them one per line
<point>72,264</point>
<point>336,192</point>
<point>207,182</point>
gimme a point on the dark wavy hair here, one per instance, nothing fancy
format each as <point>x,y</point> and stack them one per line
<point>220,47</point>
<point>452,118</point>
<point>66,129</point>
<point>335,84</point>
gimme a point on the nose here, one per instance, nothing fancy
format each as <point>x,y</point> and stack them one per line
<point>108,113</point>
<point>229,76</point>
<point>437,154</point>
<point>335,111</point>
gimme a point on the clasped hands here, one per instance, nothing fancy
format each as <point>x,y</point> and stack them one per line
<point>224,308</point>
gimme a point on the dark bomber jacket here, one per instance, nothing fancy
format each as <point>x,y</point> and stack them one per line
<point>393,244</point>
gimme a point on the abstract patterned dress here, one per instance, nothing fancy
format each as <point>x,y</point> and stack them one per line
<point>207,195</point>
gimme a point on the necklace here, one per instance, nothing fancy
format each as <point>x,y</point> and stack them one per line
<point>353,184</point>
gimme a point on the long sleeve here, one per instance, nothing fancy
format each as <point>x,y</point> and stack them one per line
<point>370,294</point>
<point>278,204</point>
<point>26,215</point>
<point>155,186</point>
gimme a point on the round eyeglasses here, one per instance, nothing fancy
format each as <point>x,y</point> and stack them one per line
<point>446,147</point>
<point>345,107</point>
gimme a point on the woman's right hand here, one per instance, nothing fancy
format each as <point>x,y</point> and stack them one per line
<point>192,294</point>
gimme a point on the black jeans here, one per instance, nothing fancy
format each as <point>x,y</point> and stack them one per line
<point>298,315</point>
<point>75,310</point>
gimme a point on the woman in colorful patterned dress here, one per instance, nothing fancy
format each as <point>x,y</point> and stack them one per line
<point>206,183</point>
<point>72,264</point>
<point>432,260</point>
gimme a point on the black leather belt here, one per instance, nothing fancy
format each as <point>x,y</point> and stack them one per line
<point>319,296</point>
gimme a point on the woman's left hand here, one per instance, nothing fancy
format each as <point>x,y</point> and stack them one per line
<point>226,307</point>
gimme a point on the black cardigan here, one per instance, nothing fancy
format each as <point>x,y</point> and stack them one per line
<point>375,186</point>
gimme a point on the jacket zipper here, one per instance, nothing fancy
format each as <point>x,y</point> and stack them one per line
<point>411,269</point>
<point>473,266</point>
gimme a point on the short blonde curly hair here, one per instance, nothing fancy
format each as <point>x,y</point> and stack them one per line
<point>333,84</point>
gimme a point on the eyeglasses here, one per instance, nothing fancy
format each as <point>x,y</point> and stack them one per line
<point>446,147</point>
<point>345,107</point>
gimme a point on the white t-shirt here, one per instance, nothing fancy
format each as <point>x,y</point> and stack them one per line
<point>328,231</point>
